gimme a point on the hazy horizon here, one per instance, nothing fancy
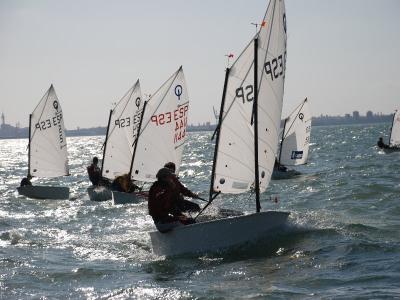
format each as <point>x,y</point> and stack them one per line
<point>341,57</point>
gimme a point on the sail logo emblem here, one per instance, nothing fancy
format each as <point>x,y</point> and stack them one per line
<point>178,91</point>
<point>55,104</point>
<point>137,102</point>
<point>297,155</point>
<point>301,116</point>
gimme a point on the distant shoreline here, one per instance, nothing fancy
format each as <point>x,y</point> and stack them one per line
<point>100,131</point>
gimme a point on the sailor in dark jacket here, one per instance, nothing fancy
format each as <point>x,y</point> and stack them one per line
<point>164,196</point>
<point>381,144</point>
<point>26,181</point>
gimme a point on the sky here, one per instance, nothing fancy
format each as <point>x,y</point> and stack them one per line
<point>343,55</point>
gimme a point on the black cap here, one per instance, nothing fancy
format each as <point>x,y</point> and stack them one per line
<point>163,173</point>
<point>170,165</point>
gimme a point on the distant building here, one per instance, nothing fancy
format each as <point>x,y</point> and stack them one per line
<point>370,115</point>
<point>356,114</point>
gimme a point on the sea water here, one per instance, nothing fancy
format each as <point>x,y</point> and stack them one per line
<point>342,239</point>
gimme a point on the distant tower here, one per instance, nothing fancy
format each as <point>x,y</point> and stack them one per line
<point>216,116</point>
<point>3,119</point>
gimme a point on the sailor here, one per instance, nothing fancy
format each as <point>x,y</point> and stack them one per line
<point>182,204</point>
<point>381,144</point>
<point>26,181</point>
<point>124,184</point>
<point>94,172</point>
<point>163,198</point>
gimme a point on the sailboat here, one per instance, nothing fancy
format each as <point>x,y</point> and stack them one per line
<point>47,148</point>
<point>162,134</point>
<point>122,130</point>
<point>394,139</point>
<point>246,144</point>
<point>295,141</point>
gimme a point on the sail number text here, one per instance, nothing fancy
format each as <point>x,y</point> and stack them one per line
<point>53,122</point>
<point>276,67</point>
<point>128,121</point>
<point>178,116</point>
<point>48,123</point>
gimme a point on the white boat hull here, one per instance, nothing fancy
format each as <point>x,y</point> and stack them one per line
<point>44,192</point>
<point>99,193</point>
<point>126,198</point>
<point>277,174</point>
<point>218,234</point>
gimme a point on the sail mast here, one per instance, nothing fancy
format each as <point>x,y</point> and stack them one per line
<point>29,145</point>
<point>391,129</point>
<point>217,132</point>
<point>255,115</point>
<point>137,139</point>
<point>105,142</point>
<point>283,137</point>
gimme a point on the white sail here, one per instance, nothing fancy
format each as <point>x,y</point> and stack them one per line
<point>296,136</point>
<point>121,134</point>
<point>163,132</point>
<point>395,133</point>
<point>234,165</point>
<point>48,156</point>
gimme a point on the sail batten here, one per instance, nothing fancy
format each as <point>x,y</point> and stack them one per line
<point>48,156</point>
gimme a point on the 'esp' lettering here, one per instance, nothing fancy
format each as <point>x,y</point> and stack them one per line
<point>48,123</point>
<point>245,93</point>
<point>170,116</point>
<point>276,67</point>
<point>123,122</point>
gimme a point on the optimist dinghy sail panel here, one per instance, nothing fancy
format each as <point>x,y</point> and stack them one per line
<point>234,161</point>
<point>122,132</point>
<point>163,132</point>
<point>296,136</point>
<point>48,156</point>
<point>394,139</point>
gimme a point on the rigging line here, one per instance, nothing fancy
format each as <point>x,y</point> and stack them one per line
<point>208,204</point>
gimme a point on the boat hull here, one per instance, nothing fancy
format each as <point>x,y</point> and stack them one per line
<point>391,149</point>
<point>217,234</point>
<point>277,174</point>
<point>44,192</point>
<point>126,198</point>
<point>99,193</point>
